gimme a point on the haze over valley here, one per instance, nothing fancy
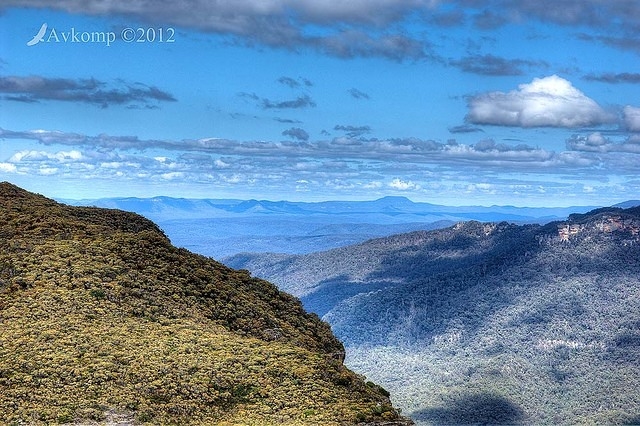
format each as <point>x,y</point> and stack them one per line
<point>228,227</point>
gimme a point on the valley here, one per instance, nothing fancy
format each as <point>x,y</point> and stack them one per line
<point>486,322</point>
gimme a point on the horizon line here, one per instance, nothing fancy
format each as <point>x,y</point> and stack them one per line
<point>400,197</point>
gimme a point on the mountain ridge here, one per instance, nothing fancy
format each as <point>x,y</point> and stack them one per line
<point>397,203</point>
<point>492,323</point>
<point>102,317</point>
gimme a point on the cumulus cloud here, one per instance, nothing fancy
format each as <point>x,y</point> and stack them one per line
<point>32,155</point>
<point>8,168</point>
<point>489,145</point>
<point>632,118</point>
<point>402,185</point>
<point>545,102</point>
<point>596,142</point>
<point>37,88</point>
<point>596,139</point>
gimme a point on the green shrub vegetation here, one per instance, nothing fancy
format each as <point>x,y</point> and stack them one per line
<point>102,318</point>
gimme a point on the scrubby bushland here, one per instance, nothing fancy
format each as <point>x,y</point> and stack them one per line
<point>100,316</point>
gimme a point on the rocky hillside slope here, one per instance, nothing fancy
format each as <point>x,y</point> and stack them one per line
<point>101,318</point>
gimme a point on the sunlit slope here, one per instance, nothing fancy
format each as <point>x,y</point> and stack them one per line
<point>100,316</point>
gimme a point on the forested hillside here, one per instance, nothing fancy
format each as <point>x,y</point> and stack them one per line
<point>488,322</point>
<point>101,318</point>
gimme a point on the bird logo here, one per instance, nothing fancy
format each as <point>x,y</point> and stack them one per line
<point>38,37</point>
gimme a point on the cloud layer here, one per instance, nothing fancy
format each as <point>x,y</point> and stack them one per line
<point>342,165</point>
<point>494,65</point>
<point>355,148</point>
<point>35,88</point>
<point>365,28</point>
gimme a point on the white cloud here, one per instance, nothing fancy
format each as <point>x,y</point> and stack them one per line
<point>112,165</point>
<point>545,102</point>
<point>596,142</point>
<point>373,185</point>
<point>596,139</point>
<point>402,185</point>
<point>235,178</point>
<point>486,188</point>
<point>32,155</point>
<point>632,118</point>
<point>36,88</point>
<point>72,155</point>
<point>172,175</point>
<point>8,168</point>
<point>332,153</point>
<point>48,170</point>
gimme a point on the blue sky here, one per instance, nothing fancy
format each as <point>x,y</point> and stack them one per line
<point>521,102</point>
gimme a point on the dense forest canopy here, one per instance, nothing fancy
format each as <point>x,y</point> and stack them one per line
<point>491,323</point>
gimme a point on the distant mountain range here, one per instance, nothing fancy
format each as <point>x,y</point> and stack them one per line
<point>394,209</point>
<point>628,204</point>
<point>487,323</point>
<point>227,227</point>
